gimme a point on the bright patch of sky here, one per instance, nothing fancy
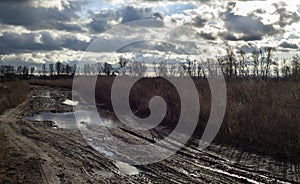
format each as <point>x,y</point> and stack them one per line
<point>173,8</point>
<point>96,7</point>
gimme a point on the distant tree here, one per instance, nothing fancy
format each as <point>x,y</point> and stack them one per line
<point>25,72</point>
<point>242,63</point>
<point>58,66</point>
<point>189,67</point>
<point>138,68</point>
<point>296,67</point>
<point>200,70</point>
<point>44,69</point>
<point>68,69</point>
<point>19,70</point>
<point>171,69</point>
<point>100,68</point>
<point>255,59</point>
<point>285,69</point>
<point>51,68</point>
<point>155,69</point>
<point>162,69</point>
<point>107,68</point>
<point>32,70</point>
<point>231,62</point>
<point>73,69</point>
<point>123,62</point>
<point>86,69</point>
<point>63,69</point>
<point>269,54</point>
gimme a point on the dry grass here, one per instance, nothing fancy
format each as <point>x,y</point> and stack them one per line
<point>265,115</point>
<point>60,83</point>
<point>12,92</point>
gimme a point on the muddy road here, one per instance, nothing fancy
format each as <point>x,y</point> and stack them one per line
<point>40,152</point>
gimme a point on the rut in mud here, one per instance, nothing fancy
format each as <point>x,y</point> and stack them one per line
<point>36,152</point>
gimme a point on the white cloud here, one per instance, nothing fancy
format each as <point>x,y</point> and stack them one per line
<point>58,4</point>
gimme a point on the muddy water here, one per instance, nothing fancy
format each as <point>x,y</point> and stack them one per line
<point>67,120</point>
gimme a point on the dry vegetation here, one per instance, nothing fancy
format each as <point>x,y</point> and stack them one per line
<point>60,83</point>
<point>12,92</point>
<point>265,115</point>
<point>262,116</point>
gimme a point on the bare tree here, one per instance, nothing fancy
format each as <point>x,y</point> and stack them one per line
<point>296,67</point>
<point>269,54</point>
<point>51,68</point>
<point>32,70</point>
<point>58,66</point>
<point>255,59</point>
<point>107,68</point>
<point>44,69</point>
<point>123,62</point>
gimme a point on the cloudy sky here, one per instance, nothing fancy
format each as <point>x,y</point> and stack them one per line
<point>39,31</point>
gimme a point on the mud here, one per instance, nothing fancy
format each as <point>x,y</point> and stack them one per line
<point>35,152</point>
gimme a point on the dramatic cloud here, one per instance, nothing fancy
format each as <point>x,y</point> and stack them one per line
<point>288,45</point>
<point>107,19</point>
<point>34,18</point>
<point>285,17</point>
<point>43,41</point>
<point>103,21</point>
<point>245,28</point>
<point>206,36</point>
<point>131,13</point>
<point>199,21</point>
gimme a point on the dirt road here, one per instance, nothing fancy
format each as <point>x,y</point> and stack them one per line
<point>35,152</point>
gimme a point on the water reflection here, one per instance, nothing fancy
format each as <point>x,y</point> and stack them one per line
<point>67,120</point>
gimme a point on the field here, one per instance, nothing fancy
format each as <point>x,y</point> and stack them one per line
<point>261,116</point>
<point>12,92</point>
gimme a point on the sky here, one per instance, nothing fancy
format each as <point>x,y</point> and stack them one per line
<point>33,32</point>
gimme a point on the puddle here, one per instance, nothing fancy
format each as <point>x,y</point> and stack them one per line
<point>44,95</point>
<point>104,151</point>
<point>127,169</point>
<point>67,120</point>
<point>47,95</point>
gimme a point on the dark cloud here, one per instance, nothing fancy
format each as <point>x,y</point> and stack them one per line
<point>130,13</point>
<point>199,21</point>
<point>248,48</point>
<point>206,36</point>
<point>287,45</point>
<point>103,21</point>
<point>158,15</point>
<point>43,41</point>
<point>231,37</point>
<point>35,18</point>
<point>285,17</point>
<point>248,27</point>
<point>260,11</point>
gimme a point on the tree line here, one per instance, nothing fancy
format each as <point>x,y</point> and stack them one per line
<point>235,64</point>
